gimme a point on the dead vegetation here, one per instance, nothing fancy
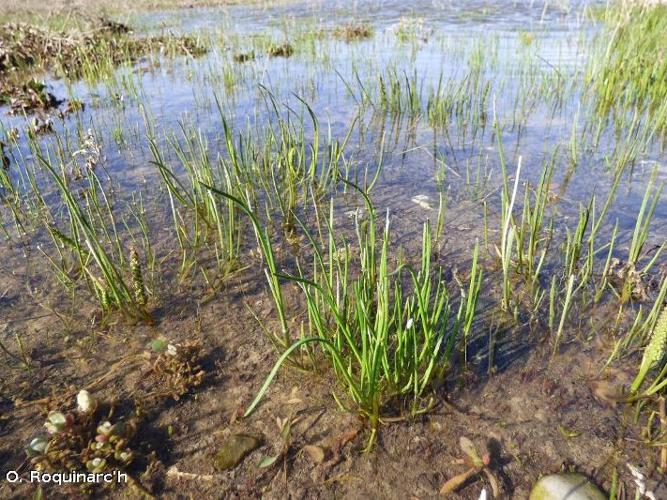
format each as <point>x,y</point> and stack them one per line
<point>28,96</point>
<point>353,31</point>
<point>26,51</point>
<point>282,50</point>
<point>177,368</point>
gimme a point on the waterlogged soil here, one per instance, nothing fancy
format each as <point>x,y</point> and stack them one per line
<point>534,412</point>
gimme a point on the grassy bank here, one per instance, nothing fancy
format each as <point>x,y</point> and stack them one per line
<point>79,14</point>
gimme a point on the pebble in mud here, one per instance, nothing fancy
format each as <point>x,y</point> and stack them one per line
<point>235,449</point>
<point>565,486</point>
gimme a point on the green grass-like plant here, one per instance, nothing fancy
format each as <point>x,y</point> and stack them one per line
<point>632,71</point>
<point>386,332</point>
<point>97,249</point>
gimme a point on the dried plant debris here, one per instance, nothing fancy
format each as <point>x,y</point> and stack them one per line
<point>25,48</point>
<point>626,277</point>
<point>175,367</point>
<point>475,463</point>
<point>244,57</point>
<point>283,50</point>
<point>652,488</point>
<point>30,96</point>
<point>22,45</point>
<point>4,159</point>
<point>353,31</point>
<point>40,125</point>
<point>87,157</point>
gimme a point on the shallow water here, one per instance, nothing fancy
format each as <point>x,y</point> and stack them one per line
<point>523,54</point>
<point>476,15</point>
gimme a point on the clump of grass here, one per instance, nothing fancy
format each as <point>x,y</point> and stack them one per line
<point>353,31</point>
<point>10,198</point>
<point>399,94</point>
<point>209,223</point>
<point>633,69</point>
<point>411,29</point>
<point>526,37</point>
<point>386,333</point>
<point>461,101</point>
<point>508,234</point>
<point>281,50</point>
<point>639,238</point>
<point>531,241</point>
<point>243,57</point>
<point>90,246</point>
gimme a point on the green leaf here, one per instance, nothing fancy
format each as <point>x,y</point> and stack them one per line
<point>159,345</point>
<point>268,461</point>
<point>276,367</point>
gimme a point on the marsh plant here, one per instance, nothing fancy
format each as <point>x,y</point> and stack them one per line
<point>89,246</point>
<point>631,70</point>
<point>387,330</point>
<point>204,219</point>
<point>83,439</point>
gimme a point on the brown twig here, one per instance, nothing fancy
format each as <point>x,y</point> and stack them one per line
<point>457,481</point>
<point>177,474</point>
